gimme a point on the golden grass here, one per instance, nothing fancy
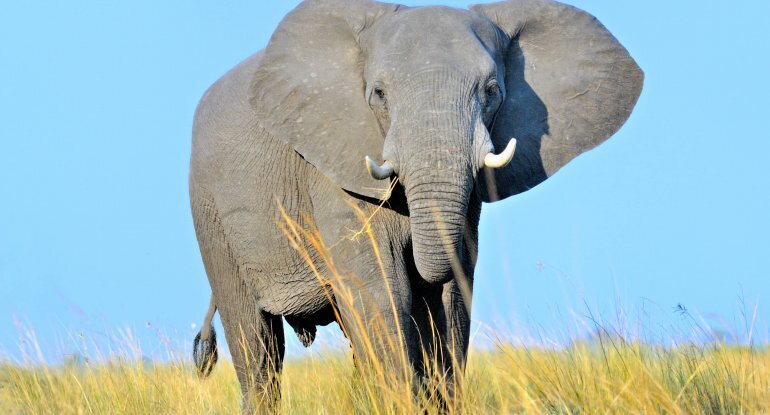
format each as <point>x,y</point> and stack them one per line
<point>605,375</point>
<point>611,377</point>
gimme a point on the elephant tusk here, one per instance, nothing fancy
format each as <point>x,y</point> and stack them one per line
<point>497,161</point>
<point>379,172</point>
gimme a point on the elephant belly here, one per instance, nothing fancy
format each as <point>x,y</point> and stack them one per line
<point>276,274</point>
<point>265,263</point>
<point>296,294</point>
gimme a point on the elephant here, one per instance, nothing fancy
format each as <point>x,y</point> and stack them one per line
<point>408,117</point>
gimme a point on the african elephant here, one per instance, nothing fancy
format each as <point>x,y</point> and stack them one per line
<point>411,117</point>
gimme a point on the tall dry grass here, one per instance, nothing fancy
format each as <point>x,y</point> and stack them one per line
<point>606,374</point>
<point>607,377</point>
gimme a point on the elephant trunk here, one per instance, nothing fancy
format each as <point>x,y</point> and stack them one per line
<point>436,158</point>
<point>438,181</point>
<point>438,225</point>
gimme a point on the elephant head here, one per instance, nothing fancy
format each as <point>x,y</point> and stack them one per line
<point>366,90</point>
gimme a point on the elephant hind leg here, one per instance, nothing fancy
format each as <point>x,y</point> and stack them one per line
<point>255,337</point>
<point>256,342</point>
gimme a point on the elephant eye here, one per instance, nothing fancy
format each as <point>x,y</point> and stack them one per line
<point>380,93</point>
<point>493,88</point>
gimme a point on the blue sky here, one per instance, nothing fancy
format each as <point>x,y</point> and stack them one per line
<point>96,106</point>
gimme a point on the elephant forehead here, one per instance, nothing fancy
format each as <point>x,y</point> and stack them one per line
<point>434,35</point>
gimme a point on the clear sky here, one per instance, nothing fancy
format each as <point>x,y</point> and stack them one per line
<point>96,107</point>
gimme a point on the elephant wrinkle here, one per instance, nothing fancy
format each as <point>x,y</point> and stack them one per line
<point>291,223</point>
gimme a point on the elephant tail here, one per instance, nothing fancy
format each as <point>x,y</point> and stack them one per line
<point>205,354</point>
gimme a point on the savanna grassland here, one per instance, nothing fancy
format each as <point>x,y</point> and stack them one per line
<point>607,376</point>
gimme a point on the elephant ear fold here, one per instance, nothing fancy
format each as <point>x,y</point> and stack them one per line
<point>308,91</point>
<point>569,86</point>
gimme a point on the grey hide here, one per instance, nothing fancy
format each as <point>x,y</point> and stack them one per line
<point>429,90</point>
<point>555,114</point>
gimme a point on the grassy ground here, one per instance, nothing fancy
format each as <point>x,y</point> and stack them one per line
<point>605,375</point>
<point>608,377</point>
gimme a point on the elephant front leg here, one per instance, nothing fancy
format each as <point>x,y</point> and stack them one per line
<point>456,299</point>
<point>370,284</point>
<point>374,314</point>
<point>442,318</point>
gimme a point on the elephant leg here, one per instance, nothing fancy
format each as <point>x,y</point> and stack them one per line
<point>370,283</point>
<point>255,338</point>
<point>456,299</point>
<point>442,322</point>
<point>441,317</point>
<point>429,320</point>
<point>375,318</point>
<point>373,296</point>
<point>256,341</point>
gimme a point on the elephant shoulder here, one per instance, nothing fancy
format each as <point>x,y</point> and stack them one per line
<point>224,117</point>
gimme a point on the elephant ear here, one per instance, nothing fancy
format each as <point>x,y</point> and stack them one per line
<point>308,91</point>
<point>569,86</point>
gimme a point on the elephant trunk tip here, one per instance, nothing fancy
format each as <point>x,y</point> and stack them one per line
<point>433,269</point>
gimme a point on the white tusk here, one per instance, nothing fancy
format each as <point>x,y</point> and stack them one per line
<point>379,172</point>
<point>496,161</point>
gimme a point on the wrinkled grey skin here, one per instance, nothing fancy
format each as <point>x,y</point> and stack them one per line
<point>431,90</point>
